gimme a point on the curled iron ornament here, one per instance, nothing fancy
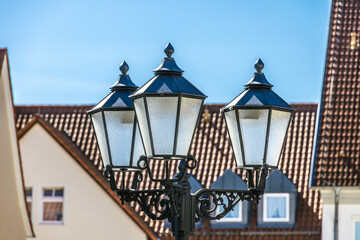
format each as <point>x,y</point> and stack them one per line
<point>174,202</point>
<point>154,203</point>
<point>209,201</point>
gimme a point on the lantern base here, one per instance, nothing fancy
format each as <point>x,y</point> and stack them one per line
<point>167,157</point>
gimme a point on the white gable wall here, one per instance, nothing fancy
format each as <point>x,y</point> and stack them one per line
<point>14,223</point>
<point>348,212</point>
<point>89,212</point>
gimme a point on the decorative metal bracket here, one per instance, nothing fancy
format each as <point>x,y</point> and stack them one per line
<point>174,200</point>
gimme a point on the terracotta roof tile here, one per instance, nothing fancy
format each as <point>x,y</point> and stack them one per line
<point>337,155</point>
<point>213,151</point>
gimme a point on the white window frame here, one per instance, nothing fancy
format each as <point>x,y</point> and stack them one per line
<point>287,207</point>
<point>231,219</point>
<point>47,199</point>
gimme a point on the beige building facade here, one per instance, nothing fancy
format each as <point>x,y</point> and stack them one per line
<point>66,201</point>
<point>14,219</point>
<point>348,212</point>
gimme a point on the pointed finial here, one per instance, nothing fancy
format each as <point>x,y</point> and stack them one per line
<point>124,68</point>
<point>169,50</point>
<point>259,65</point>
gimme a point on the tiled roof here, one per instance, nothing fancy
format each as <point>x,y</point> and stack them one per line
<point>212,149</point>
<point>337,158</point>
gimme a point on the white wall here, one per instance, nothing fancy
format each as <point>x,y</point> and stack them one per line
<point>14,222</point>
<point>89,212</point>
<point>349,212</point>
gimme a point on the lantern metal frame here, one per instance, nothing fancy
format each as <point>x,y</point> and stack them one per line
<point>168,71</point>
<point>270,108</point>
<point>173,200</point>
<point>125,85</point>
<point>180,96</point>
<point>270,101</point>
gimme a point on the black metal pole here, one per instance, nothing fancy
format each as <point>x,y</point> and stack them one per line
<point>183,225</point>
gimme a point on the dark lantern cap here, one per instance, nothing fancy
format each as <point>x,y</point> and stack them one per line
<point>168,80</point>
<point>257,93</point>
<point>120,92</point>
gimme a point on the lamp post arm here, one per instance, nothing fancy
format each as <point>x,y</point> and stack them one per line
<point>154,203</point>
<point>214,204</point>
<point>174,200</point>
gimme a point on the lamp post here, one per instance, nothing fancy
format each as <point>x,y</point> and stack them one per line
<point>167,110</point>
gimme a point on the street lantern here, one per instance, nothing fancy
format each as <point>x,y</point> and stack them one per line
<point>160,121</point>
<point>115,125</point>
<point>168,108</point>
<point>257,121</point>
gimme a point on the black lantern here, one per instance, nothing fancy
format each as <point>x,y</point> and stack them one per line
<point>115,125</point>
<point>257,121</point>
<point>168,108</point>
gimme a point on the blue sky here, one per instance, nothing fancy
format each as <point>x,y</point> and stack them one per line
<point>68,52</point>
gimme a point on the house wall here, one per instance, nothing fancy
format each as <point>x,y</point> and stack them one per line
<point>349,212</point>
<point>13,216</point>
<point>89,212</point>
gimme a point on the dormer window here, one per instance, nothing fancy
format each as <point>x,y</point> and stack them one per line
<point>239,216</point>
<point>276,207</point>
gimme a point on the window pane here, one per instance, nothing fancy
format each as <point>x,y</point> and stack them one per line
<point>234,136</point>
<point>52,211</point>
<point>28,192</point>
<point>48,192</point>
<point>357,230</point>
<point>232,214</point>
<point>162,114</point>
<point>120,127</point>
<point>143,124</point>
<point>188,116</point>
<point>276,207</point>
<point>98,124</point>
<point>59,192</point>
<point>253,124</point>
<point>279,123</point>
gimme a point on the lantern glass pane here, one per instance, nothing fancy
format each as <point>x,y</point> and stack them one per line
<point>138,147</point>
<point>233,130</point>
<point>98,124</point>
<point>143,124</point>
<point>189,112</point>
<point>253,124</point>
<point>162,115</point>
<point>278,127</point>
<point>120,127</point>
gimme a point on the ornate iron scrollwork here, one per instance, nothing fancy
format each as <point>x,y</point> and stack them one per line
<point>174,200</point>
<point>216,203</point>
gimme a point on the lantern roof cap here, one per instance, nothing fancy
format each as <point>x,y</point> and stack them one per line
<point>168,65</point>
<point>258,79</point>
<point>120,92</point>
<point>123,81</point>
<point>168,79</point>
<point>257,93</point>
